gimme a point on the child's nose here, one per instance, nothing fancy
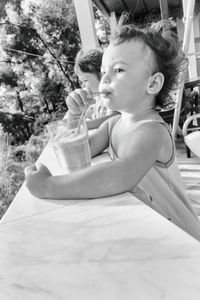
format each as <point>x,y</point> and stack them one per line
<point>83,85</point>
<point>105,78</point>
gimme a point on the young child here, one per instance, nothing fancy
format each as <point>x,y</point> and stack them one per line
<point>139,68</point>
<point>88,69</point>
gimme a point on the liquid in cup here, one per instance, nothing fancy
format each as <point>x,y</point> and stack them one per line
<point>71,146</point>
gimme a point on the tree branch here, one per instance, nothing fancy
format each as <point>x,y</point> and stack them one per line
<point>55,58</point>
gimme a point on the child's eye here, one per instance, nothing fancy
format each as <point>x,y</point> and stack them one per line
<point>118,70</point>
<point>102,73</point>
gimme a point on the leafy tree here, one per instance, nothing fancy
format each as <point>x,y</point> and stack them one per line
<point>102,27</point>
<point>48,31</point>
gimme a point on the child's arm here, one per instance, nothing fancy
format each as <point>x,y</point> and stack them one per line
<point>137,153</point>
<point>95,123</point>
<point>99,139</point>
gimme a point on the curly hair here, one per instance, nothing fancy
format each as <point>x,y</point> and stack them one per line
<point>89,62</point>
<point>169,58</point>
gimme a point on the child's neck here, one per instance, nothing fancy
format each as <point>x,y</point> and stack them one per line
<point>140,115</point>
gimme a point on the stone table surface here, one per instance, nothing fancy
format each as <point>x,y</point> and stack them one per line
<point>113,248</point>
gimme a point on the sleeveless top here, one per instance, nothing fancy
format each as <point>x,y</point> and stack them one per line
<point>162,189</point>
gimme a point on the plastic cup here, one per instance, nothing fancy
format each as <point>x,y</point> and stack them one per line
<point>71,146</point>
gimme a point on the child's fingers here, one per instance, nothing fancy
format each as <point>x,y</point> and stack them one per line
<point>74,109</point>
<point>29,170</point>
<point>42,168</point>
<point>74,102</point>
<point>78,99</point>
<point>88,98</point>
<point>84,95</point>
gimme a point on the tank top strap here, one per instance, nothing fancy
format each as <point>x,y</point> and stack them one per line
<point>139,123</point>
<point>158,163</point>
<point>110,149</point>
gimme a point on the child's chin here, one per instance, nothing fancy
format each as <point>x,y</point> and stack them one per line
<point>108,103</point>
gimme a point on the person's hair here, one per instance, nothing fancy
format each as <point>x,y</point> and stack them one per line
<point>169,58</point>
<point>89,62</point>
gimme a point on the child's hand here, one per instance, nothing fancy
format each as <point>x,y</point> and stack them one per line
<point>36,178</point>
<point>77,100</point>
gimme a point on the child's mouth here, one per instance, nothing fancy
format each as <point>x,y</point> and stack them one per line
<point>105,93</point>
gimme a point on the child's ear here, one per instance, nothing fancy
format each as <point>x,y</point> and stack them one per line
<point>155,83</point>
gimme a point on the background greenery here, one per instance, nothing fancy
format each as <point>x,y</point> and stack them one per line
<point>39,40</point>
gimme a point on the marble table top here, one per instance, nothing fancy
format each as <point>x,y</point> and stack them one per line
<point>113,248</point>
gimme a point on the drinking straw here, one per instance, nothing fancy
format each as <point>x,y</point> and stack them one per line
<point>85,108</point>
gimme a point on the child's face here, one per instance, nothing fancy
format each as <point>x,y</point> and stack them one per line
<point>89,81</point>
<point>126,69</point>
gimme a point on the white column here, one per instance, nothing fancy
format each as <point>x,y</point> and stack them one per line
<point>85,18</point>
<point>164,9</point>
<point>113,20</point>
<point>186,43</point>
<point>196,25</point>
<point>180,29</point>
<point>191,48</point>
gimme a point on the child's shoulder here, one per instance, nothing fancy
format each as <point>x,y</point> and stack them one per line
<point>154,126</point>
<point>113,119</point>
<point>156,133</point>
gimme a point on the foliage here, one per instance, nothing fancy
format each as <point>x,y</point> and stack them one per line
<point>13,160</point>
<point>41,79</point>
<point>22,129</point>
<point>102,27</point>
<point>5,179</point>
